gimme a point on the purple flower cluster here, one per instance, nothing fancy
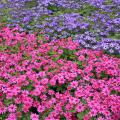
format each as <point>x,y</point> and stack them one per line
<point>104,25</point>
<point>88,40</point>
<point>64,25</point>
<point>25,11</point>
<point>110,45</point>
<point>70,4</point>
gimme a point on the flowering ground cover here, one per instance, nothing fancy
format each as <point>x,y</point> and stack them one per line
<point>59,60</point>
<point>98,20</point>
<point>57,80</point>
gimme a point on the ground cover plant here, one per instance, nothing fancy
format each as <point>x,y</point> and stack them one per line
<point>59,60</point>
<point>98,20</point>
<point>56,80</point>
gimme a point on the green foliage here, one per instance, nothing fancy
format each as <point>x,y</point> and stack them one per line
<point>3,79</point>
<point>87,9</point>
<point>2,48</point>
<point>28,87</point>
<point>56,58</point>
<point>3,116</point>
<point>4,19</point>
<point>72,92</point>
<point>59,88</point>
<point>104,75</point>
<point>62,118</point>
<point>51,53</point>
<point>108,2</point>
<point>31,4</point>
<point>78,77</point>
<point>83,101</point>
<point>26,56</point>
<point>7,102</point>
<point>82,114</point>
<point>115,92</point>
<point>68,54</point>
<point>115,35</point>
<point>93,118</point>
<point>46,113</point>
<point>25,116</point>
<point>53,8</point>
<point>79,63</point>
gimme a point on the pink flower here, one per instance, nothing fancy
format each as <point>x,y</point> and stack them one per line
<point>74,84</point>
<point>53,82</point>
<point>86,117</point>
<point>68,107</point>
<point>68,115</point>
<point>93,112</point>
<point>12,108</point>
<point>41,108</point>
<point>44,81</point>
<point>11,116</point>
<point>81,58</point>
<point>2,109</point>
<point>36,104</point>
<point>80,108</point>
<point>60,51</point>
<point>51,92</point>
<point>34,116</point>
<point>73,100</point>
<point>25,108</point>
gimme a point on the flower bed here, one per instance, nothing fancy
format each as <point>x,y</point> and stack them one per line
<point>58,80</point>
<point>98,20</point>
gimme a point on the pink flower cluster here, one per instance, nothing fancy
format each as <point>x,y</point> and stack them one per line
<point>38,79</point>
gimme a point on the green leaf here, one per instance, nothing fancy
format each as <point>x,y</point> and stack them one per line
<point>53,8</point>
<point>7,102</point>
<point>31,4</point>
<point>51,52</point>
<point>29,87</point>
<point>3,116</point>
<point>56,58</point>
<point>115,92</point>
<point>2,48</point>
<point>62,118</point>
<point>80,64</point>
<point>83,101</point>
<point>82,114</point>
<point>73,111</point>
<point>25,116</point>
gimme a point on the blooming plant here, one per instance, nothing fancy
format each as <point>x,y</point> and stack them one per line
<point>56,80</point>
<point>97,20</point>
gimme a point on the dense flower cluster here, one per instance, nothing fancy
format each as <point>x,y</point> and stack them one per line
<point>63,18</point>
<point>88,40</point>
<point>56,80</point>
<point>25,11</point>
<point>64,25</point>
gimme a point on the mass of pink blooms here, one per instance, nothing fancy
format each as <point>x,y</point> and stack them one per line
<point>38,74</point>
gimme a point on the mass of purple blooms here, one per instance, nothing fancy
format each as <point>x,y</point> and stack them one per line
<point>93,23</point>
